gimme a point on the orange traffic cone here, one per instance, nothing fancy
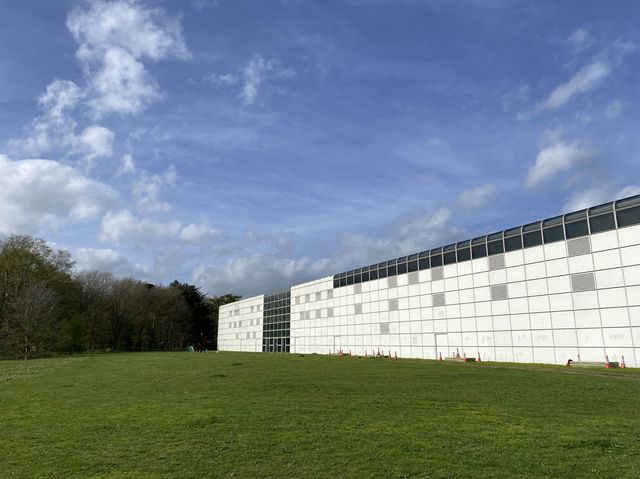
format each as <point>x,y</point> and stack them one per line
<point>622,364</point>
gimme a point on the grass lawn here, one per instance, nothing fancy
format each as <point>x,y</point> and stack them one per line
<point>189,415</point>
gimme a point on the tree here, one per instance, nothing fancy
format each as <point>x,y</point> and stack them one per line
<point>213,305</point>
<point>30,319</point>
<point>95,290</point>
<point>201,326</point>
<point>33,278</point>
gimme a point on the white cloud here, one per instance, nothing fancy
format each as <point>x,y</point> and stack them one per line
<point>44,193</point>
<point>259,273</point>
<point>613,109</point>
<point>556,159</point>
<point>204,4</point>
<point>126,24</point>
<point>127,165</point>
<point>586,79</point>
<point>594,196</point>
<point>147,189</point>
<point>54,126</point>
<point>122,226</point>
<point>478,196</point>
<point>629,190</point>
<point>113,38</point>
<point>580,40</point>
<point>222,79</point>
<point>195,233</point>
<point>586,198</point>
<point>106,260</point>
<point>96,141</point>
<point>121,84</point>
<point>256,72</point>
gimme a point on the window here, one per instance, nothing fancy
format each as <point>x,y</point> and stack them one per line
<point>412,265</point>
<point>494,244</point>
<point>336,282</point>
<point>628,217</point>
<point>391,268</point>
<point>423,261</point>
<point>576,229</point>
<point>449,257</point>
<point>464,254</point>
<point>601,223</point>
<point>349,280</point>
<point>373,274</point>
<point>555,233</point>
<point>276,325</point>
<point>512,239</point>
<point>436,261</point>
<point>533,238</point>
<point>479,251</point>
<point>495,247</point>
<point>365,276</point>
<point>382,270</point>
<point>402,267</point>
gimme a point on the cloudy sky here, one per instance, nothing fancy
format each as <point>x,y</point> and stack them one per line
<point>245,146</point>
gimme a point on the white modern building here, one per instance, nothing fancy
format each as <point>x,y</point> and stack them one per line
<point>563,288</point>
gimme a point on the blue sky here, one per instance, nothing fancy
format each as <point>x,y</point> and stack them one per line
<point>245,146</point>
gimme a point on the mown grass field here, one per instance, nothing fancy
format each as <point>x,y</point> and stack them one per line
<point>189,415</point>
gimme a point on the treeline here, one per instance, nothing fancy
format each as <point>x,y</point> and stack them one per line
<point>45,307</point>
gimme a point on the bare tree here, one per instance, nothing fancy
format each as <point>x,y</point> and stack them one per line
<point>96,289</point>
<point>29,318</point>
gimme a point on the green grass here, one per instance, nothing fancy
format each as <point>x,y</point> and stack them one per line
<point>274,415</point>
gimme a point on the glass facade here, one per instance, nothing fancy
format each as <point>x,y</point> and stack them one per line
<point>625,212</point>
<point>276,325</point>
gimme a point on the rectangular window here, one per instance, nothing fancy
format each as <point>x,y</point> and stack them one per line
<point>479,251</point>
<point>412,266</point>
<point>533,238</point>
<point>436,261</point>
<point>576,229</point>
<point>365,276</point>
<point>349,280</point>
<point>513,243</point>
<point>602,223</point>
<point>628,217</point>
<point>464,254</point>
<point>402,268</point>
<point>373,274</point>
<point>382,272</point>
<point>423,263</point>
<point>336,282</point>
<point>495,247</point>
<point>343,281</point>
<point>450,257</point>
<point>357,278</point>
<point>392,270</point>
<point>553,234</point>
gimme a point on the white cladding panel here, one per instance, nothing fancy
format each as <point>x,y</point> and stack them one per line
<point>544,304</point>
<point>240,325</point>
